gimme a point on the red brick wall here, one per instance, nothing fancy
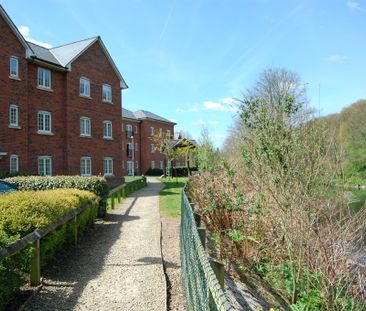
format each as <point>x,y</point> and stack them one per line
<point>94,65</point>
<point>12,141</point>
<point>136,140</point>
<point>146,154</point>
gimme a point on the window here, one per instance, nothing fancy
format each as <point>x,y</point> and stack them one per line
<point>85,126</point>
<point>14,163</point>
<point>13,116</point>
<point>152,164</point>
<point>161,165</point>
<point>160,132</point>
<point>168,133</point>
<point>129,130</point>
<point>84,87</point>
<point>107,129</point>
<point>44,78</point>
<point>45,166</point>
<point>44,122</point>
<point>85,166</point>
<point>136,129</point>
<point>152,148</point>
<point>151,131</point>
<point>107,93</point>
<point>108,166</point>
<point>129,150</point>
<point>137,164</point>
<point>14,67</point>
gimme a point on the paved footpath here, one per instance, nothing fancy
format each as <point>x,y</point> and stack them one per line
<point>116,266</point>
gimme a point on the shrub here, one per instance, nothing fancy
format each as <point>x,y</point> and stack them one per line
<point>181,171</point>
<point>95,184</point>
<point>24,211</point>
<point>154,172</point>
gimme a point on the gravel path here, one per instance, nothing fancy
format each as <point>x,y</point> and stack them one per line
<point>117,264</point>
<point>171,257</point>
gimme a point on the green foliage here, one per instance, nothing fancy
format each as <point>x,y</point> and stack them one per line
<point>170,197</point>
<point>24,211</point>
<point>182,171</point>
<point>95,184</point>
<point>206,154</point>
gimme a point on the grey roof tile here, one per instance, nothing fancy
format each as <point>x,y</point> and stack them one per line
<point>143,114</point>
<point>44,54</point>
<point>128,114</point>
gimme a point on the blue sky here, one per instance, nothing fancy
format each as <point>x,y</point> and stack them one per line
<point>185,60</point>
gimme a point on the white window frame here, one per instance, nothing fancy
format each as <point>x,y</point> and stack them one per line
<point>168,133</point>
<point>152,131</point>
<point>108,166</point>
<point>84,87</point>
<point>14,108</point>
<point>85,166</point>
<point>42,80</point>
<point>107,129</point>
<point>160,132</point>
<point>136,164</point>
<point>44,159</point>
<point>44,129</point>
<point>129,130</point>
<point>106,93</point>
<point>14,168</point>
<point>152,148</point>
<point>15,73</point>
<point>130,147</point>
<point>85,127</point>
<point>152,164</point>
<point>161,165</point>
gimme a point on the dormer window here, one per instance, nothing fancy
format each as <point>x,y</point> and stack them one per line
<point>84,87</point>
<point>44,78</point>
<point>107,93</point>
<point>14,67</point>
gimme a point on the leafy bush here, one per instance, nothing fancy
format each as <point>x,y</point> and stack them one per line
<point>154,172</point>
<point>182,171</point>
<point>95,184</point>
<point>24,211</point>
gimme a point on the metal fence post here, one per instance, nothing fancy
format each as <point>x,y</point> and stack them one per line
<point>35,268</point>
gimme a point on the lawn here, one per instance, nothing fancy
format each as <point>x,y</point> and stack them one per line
<point>170,196</point>
<point>131,178</point>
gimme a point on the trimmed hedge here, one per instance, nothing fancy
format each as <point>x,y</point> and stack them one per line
<point>95,184</point>
<point>22,212</point>
<point>154,172</point>
<point>181,171</point>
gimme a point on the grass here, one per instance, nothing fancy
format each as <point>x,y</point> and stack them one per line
<point>171,195</point>
<point>131,178</point>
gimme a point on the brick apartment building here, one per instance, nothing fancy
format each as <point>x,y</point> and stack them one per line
<point>139,151</point>
<point>60,108</point>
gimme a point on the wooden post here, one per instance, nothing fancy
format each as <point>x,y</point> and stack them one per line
<point>197,219</point>
<point>35,268</point>
<point>219,269</point>
<point>112,197</point>
<point>76,229</point>
<point>202,235</point>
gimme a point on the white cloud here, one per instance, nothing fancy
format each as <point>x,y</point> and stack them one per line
<point>212,122</point>
<point>354,5</point>
<point>336,58</point>
<point>24,30</point>
<point>223,105</point>
<point>199,122</point>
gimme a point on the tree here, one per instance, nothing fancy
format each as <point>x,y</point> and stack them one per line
<point>206,155</point>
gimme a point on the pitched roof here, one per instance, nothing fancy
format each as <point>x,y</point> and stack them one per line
<point>143,114</point>
<point>128,114</point>
<point>67,53</point>
<point>44,54</point>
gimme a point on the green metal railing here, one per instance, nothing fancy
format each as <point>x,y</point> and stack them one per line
<point>203,290</point>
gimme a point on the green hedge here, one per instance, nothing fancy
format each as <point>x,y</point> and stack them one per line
<point>181,171</point>
<point>22,212</point>
<point>95,184</point>
<point>154,172</point>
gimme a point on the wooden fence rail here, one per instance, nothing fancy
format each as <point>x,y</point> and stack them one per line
<point>35,236</point>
